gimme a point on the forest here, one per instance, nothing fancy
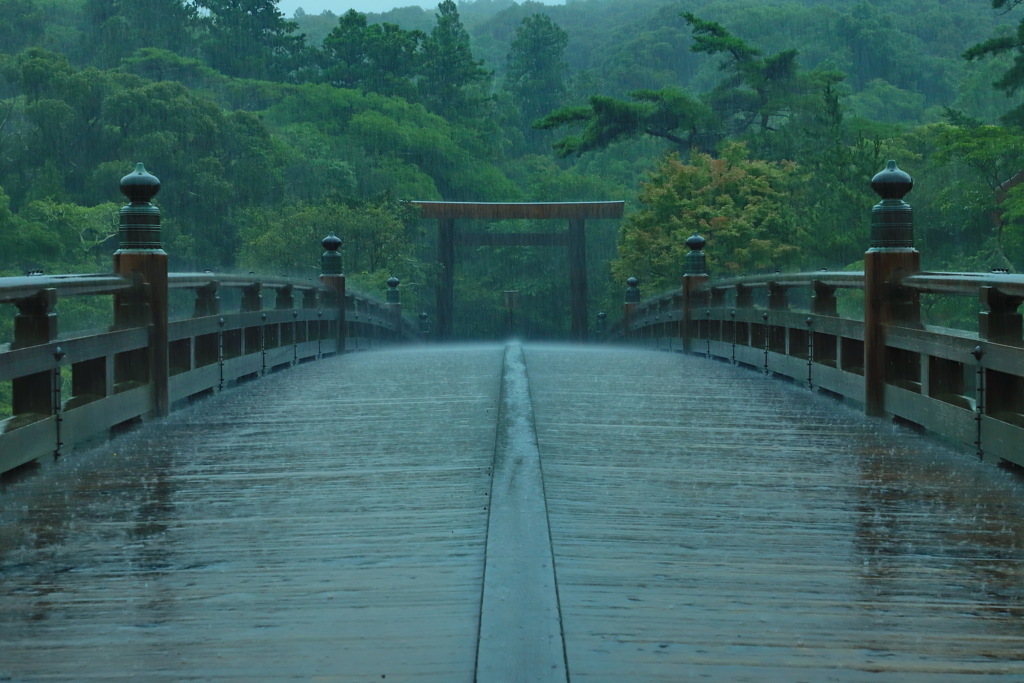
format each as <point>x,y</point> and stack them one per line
<point>757,123</point>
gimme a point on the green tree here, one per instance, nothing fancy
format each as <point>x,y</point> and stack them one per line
<point>671,114</point>
<point>758,92</point>
<point>379,58</point>
<point>988,162</point>
<point>250,39</point>
<point>454,84</point>
<point>379,239</point>
<point>22,23</point>
<point>742,207</point>
<point>758,95</point>
<point>535,73</point>
<point>1013,44</point>
<point>120,27</point>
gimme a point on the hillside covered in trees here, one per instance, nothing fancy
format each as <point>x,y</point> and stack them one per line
<point>757,123</point>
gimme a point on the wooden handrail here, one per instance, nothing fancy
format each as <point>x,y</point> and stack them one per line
<point>14,289</point>
<point>965,385</point>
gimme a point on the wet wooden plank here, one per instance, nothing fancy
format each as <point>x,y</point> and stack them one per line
<point>328,523</point>
<point>520,624</point>
<point>711,523</point>
<point>324,523</point>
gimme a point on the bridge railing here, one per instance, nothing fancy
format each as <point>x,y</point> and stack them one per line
<point>872,349</point>
<point>67,389</point>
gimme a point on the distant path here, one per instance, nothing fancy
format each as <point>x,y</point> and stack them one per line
<point>331,522</point>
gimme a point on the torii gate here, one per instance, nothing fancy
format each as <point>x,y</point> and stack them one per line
<point>448,238</point>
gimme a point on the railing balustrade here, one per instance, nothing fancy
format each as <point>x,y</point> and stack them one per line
<point>69,389</point>
<point>966,385</point>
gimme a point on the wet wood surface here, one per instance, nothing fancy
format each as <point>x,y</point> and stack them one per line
<point>714,524</point>
<point>330,522</point>
<point>327,523</point>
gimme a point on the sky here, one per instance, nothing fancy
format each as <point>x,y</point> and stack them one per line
<point>339,7</point>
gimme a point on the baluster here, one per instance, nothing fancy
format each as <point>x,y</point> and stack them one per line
<point>824,300</point>
<point>1000,320</point>
<point>778,297</point>
<point>207,300</point>
<point>34,324</point>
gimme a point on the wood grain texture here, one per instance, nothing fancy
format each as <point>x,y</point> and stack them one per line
<point>709,523</point>
<point>324,524</point>
<point>520,624</point>
<point>328,523</point>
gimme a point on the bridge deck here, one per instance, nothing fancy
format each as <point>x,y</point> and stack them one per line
<point>331,523</point>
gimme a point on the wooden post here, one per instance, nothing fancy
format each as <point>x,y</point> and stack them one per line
<point>207,300</point>
<point>578,279</point>
<point>142,257</point>
<point>824,300</point>
<point>999,322</point>
<point>629,306</point>
<point>35,323</point>
<point>891,257</point>
<point>446,283</point>
<point>394,304</point>
<point>332,277</point>
<point>696,275</point>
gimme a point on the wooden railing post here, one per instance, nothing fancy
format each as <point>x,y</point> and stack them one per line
<point>629,306</point>
<point>285,299</point>
<point>35,323</point>
<point>695,276</point>
<point>1000,322</point>
<point>824,300</point>
<point>252,300</point>
<point>142,257</point>
<point>394,305</point>
<point>890,258</point>
<point>332,277</point>
<point>207,301</point>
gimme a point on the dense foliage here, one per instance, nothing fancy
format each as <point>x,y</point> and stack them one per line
<point>755,122</point>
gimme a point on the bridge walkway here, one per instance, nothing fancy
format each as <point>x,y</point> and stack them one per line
<point>375,517</point>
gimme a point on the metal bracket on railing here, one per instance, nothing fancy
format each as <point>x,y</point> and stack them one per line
<point>263,343</point>
<point>732,314</point>
<point>58,355</point>
<point>764,317</point>
<point>707,332</point>
<point>220,352</point>
<point>979,402</point>
<point>319,334</point>
<point>295,337</point>
<point>809,321</point>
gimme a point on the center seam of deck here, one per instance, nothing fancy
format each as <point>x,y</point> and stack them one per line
<point>520,621</point>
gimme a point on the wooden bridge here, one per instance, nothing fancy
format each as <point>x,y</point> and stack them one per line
<point>485,513</point>
<point>499,513</point>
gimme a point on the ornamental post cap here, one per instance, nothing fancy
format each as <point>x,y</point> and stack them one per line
<point>695,242</point>
<point>891,182</point>
<point>331,243</point>
<point>632,282</point>
<point>393,282</point>
<point>140,185</point>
